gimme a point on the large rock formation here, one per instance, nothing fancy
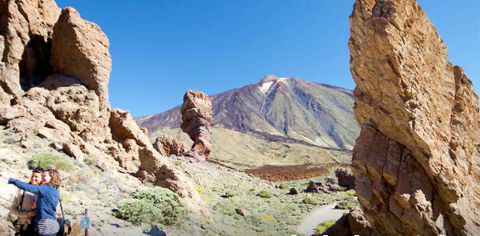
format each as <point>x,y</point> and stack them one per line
<point>196,121</point>
<point>416,161</point>
<point>54,76</point>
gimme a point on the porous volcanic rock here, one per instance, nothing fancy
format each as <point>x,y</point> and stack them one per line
<point>196,121</point>
<point>167,146</point>
<point>54,76</point>
<point>329,185</point>
<point>416,162</point>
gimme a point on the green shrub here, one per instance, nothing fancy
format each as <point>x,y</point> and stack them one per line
<point>264,194</point>
<point>155,205</point>
<point>48,160</point>
<point>309,200</point>
<point>324,226</point>
<point>346,204</point>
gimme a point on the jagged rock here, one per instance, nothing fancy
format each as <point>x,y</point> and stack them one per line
<point>156,169</point>
<point>416,162</point>
<point>350,224</point>
<point>345,179</point>
<point>196,121</point>
<point>80,49</point>
<point>170,146</point>
<point>25,43</point>
<point>54,76</point>
<point>329,185</point>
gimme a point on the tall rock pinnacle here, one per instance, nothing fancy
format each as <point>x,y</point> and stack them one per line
<point>416,161</point>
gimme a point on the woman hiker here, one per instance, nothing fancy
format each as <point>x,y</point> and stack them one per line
<point>47,201</point>
<point>22,206</point>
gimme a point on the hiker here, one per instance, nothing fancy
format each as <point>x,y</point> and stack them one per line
<point>22,207</point>
<point>47,200</point>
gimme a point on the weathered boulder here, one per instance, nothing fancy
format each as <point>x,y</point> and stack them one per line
<point>329,185</point>
<point>170,146</point>
<point>350,224</point>
<point>416,162</point>
<point>196,121</point>
<point>156,169</point>
<point>345,179</point>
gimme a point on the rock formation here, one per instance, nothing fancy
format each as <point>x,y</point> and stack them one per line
<point>54,76</point>
<point>416,162</point>
<point>345,179</point>
<point>170,146</point>
<point>353,223</point>
<point>196,121</point>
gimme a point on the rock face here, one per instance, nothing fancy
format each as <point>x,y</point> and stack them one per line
<point>196,121</point>
<point>170,146</point>
<point>416,161</point>
<point>54,76</point>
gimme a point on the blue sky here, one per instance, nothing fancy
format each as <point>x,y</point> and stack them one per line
<point>161,48</point>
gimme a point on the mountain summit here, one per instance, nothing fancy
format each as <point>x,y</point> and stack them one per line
<point>279,109</point>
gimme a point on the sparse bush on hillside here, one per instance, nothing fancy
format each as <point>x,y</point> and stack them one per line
<point>309,200</point>
<point>48,160</point>
<point>155,205</point>
<point>264,194</point>
<point>324,226</point>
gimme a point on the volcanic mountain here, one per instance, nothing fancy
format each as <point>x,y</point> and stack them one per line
<point>288,110</point>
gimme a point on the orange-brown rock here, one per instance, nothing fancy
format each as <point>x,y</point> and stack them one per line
<point>196,121</point>
<point>416,162</point>
<point>170,146</point>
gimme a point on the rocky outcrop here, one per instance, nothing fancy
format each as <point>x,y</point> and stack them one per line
<point>329,185</point>
<point>170,146</point>
<point>80,49</point>
<point>345,179</point>
<point>353,223</point>
<point>196,121</point>
<point>54,76</point>
<point>416,162</point>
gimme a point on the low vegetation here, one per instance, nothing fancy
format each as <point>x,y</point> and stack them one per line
<point>48,160</point>
<point>156,205</point>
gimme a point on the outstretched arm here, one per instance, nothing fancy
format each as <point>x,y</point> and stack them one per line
<point>24,186</point>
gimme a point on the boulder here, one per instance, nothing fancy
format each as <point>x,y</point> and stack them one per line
<point>170,146</point>
<point>416,161</point>
<point>197,118</point>
<point>345,179</point>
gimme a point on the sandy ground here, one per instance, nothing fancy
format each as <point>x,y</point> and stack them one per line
<point>317,216</point>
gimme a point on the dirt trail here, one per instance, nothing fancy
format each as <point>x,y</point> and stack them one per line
<point>317,216</point>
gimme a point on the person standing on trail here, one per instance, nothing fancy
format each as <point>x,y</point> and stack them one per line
<point>48,197</point>
<point>22,206</point>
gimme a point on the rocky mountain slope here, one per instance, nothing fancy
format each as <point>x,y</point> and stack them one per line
<point>417,161</point>
<point>278,109</point>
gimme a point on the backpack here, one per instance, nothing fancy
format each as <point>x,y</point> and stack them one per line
<point>65,225</point>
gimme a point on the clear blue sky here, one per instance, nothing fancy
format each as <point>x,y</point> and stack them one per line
<point>161,48</point>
